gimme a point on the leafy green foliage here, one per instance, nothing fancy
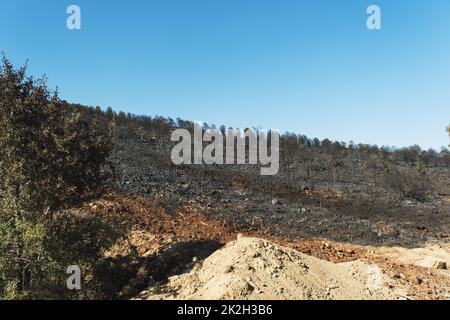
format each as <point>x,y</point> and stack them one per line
<point>49,156</point>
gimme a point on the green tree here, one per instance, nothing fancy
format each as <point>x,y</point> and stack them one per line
<point>420,165</point>
<point>48,157</point>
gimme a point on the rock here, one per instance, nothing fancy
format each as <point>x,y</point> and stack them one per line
<point>229,269</point>
<point>440,265</point>
<point>276,202</point>
<point>399,276</point>
<point>418,280</point>
<point>326,245</point>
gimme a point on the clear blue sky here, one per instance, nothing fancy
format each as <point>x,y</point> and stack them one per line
<point>310,67</point>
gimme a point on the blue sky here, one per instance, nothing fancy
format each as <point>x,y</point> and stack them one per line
<point>307,66</point>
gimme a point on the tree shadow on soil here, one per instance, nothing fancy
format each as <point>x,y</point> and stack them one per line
<point>125,276</point>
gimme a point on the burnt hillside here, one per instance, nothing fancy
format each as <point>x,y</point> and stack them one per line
<point>354,193</point>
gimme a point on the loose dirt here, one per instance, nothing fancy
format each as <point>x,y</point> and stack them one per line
<point>168,240</point>
<point>251,268</point>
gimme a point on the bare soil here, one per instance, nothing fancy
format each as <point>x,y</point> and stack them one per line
<point>178,241</point>
<point>251,268</point>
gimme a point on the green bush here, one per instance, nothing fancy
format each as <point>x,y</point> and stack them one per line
<point>48,158</point>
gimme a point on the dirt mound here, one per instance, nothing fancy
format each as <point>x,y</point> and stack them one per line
<point>251,268</point>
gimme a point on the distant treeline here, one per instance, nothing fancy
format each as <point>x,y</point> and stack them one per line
<point>131,126</point>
